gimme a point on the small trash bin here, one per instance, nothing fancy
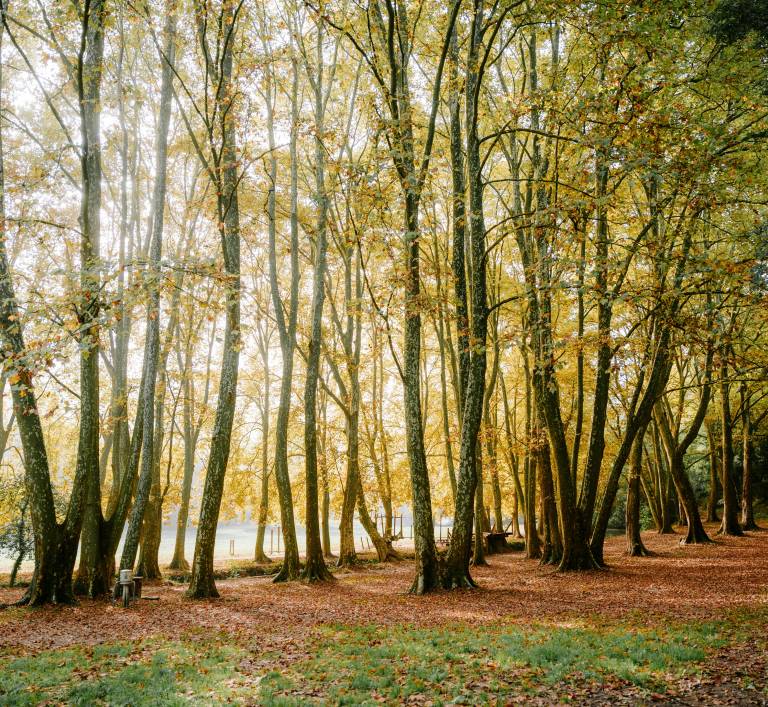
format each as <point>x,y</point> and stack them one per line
<point>126,585</point>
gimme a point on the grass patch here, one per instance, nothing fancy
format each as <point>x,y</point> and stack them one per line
<point>155,671</point>
<point>461,664</point>
<point>344,664</point>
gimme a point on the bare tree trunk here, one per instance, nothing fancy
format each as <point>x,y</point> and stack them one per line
<point>519,497</point>
<point>635,547</point>
<point>582,230</point>
<point>347,553</point>
<point>202,583</point>
<point>315,568</point>
<point>552,546</point>
<point>469,482</point>
<point>287,330</point>
<point>676,454</point>
<point>747,511</point>
<point>149,463</point>
<point>440,325</point>
<point>325,514</point>
<point>384,550</point>
<point>259,555</point>
<point>91,581</point>
<point>714,474</point>
<point>730,524</point>
<point>532,543</point>
<point>191,434</point>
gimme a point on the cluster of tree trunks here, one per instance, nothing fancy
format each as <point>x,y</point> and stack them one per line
<point>558,479</point>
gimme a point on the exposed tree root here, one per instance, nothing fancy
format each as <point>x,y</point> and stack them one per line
<point>585,560</point>
<point>425,582</point>
<point>203,589</point>
<point>550,556</point>
<point>458,580</point>
<point>693,537</point>
<point>316,571</point>
<point>637,549</point>
<point>289,572</point>
<point>731,532</point>
<point>347,560</point>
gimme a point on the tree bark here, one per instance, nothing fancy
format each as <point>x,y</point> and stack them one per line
<point>469,482</point>
<point>287,330</point>
<point>92,581</point>
<point>228,216</point>
<point>730,524</point>
<point>714,474</point>
<point>191,434</point>
<point>259,555</point>
<point>747,510</point>
<point>315,568</point>
<point>635,546</point>
<point>149,463</point>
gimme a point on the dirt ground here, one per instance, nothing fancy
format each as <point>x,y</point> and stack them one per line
<point>675,584</point>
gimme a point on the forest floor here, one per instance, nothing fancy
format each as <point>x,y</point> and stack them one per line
<point>687,626</point>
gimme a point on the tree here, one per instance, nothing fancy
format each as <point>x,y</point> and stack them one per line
<point>315,568</point>
<point>149,454</point>
<point>223,170</point>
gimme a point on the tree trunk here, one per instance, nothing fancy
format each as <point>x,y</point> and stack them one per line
<point>730,524</point>
<point>518,499</point>
<point>179,561</point>
<point>191,435</point>
<point>490,422</point>
<point>695,533</point>
<point>15,569</point>
<point>315,568</point>
<point>347,553</point>
<point>474,359</point>
<point>635,546</point>
<point>90,581</point>
<point>149,476</point>
<point>714,475</point>
<point>384,550</point>
<point>325,518</point>
<point>202,583</point>
<point>665,486</point>
<point>427,569</point>
<point>287,330</point>
<point>676,455</point>
<point>532,543</point>
<point>479,548</point>
<point>149,565</point>
<point>580,356</point>
<point>747,511</point>
<point>552,548</point>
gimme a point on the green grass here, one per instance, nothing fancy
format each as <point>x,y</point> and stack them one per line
<point>360,664</point>
<point>200,669</point>
<point>345,664</point>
